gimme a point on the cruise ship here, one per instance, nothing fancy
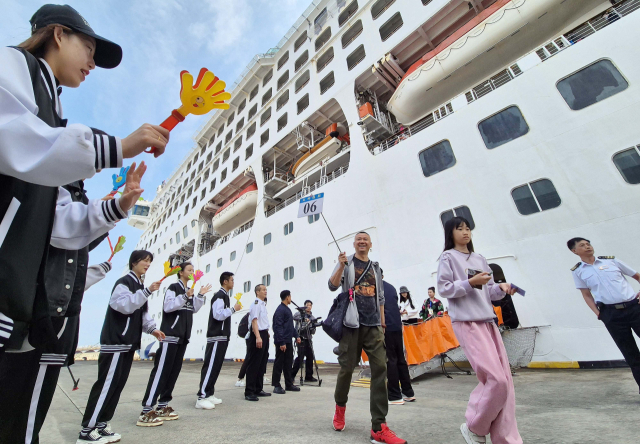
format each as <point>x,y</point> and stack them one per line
<point>516,114</point>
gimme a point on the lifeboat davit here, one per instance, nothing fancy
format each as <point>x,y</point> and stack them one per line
<point>327,147</point>
<point>237,211</point>
<point>414,97</point>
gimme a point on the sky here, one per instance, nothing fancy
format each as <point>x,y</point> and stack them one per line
<point>159,39</point>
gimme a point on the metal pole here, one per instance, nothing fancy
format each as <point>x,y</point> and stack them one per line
<point>334,238</point>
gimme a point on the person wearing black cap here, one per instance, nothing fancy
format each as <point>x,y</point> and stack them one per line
<point>283,333</point>
<point>39,152</point>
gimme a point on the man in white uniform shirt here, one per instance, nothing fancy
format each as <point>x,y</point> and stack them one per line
<point>257,346</point>
<point>608,294</point>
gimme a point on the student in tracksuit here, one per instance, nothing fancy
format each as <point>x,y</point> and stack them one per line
<point>492,405</point>
<point>177,320</point>
<point>127,317</point>
<point>39,152</point>
<point>218,333</point>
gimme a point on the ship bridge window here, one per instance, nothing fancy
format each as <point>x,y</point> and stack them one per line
<point>356,57</point>
<point>232,256</point>
<point>247,287</point>
<point>327,82</point>
<point>283,60</point>
<point>315,264</point>
<point>249,247</point>
<point>265,116</point>
<point>347,13</point>
<point>140,210</point>
<point>437,158</point>
<point>313,218</point>
<point>237,144</point>
<point>219,264</point>
<point>288,228</point>
<point>288,273</point>
<point>266,280</point>
<point>535,196</point>
<point>379,7</point>
<point>239,125</point>
<point>248,152</point>
<point>628,163</point>
<point>267,238</point>
<point>352,33</point>
<point>267,77</point>
<point>208,269</point>
<point>253,93</point>
<point>253,111</point>
<point>264,138</point>
<point>235,164</point>
<point>282,100</point>
<point>462,211</point>
<point>284,78</point>
<point>267,96</point>
<point>503,127</point>
<point>185,231</point>
<point>301,61</point>
<point>300,41</point>
<point>223,175</point>
<point>323,38</point>
<point>251,130</point>
<point>591,84</point>
<point>324,59</point>
<point>242,105</point>
<point>303,103</point>
<point>391,26</point>
<point>302,80</point>
<point>282,121</point>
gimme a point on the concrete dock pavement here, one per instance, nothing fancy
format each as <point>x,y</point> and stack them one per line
<point>553,407</point>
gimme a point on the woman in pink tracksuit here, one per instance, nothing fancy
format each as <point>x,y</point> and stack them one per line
<point>492,404</point>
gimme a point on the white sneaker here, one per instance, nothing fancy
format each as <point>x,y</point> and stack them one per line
<point>93,437</point>
<point>471,437</point>
<point>240,383</point>
<point>265,379</point>
<point>109,435</point>
<point>396,402</point>
<point>213,400</point>
<point>204,404</point>
<point>409,398</point>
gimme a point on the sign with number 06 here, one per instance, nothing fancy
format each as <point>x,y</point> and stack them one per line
<point>311,205</point>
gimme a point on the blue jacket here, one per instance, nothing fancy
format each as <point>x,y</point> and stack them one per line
<point>391,309</point>
<point>283,329</point>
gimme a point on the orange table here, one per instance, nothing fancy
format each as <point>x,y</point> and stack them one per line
<point>428,339</point>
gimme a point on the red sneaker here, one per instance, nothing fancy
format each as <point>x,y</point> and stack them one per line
<point>386,436</point>
<point>338,419</point>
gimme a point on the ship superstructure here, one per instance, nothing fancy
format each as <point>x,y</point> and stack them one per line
<point>517,114</point>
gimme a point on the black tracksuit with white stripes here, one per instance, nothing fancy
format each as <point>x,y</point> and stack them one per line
<point>218,333</point>
<point>127,317</point>
<point>177,320</point>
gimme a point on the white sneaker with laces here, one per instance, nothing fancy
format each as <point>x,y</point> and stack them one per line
<point>471,437</point>
<point>213,400</point>
<point>93,437</point>
<point>204,404</point>
<point>240,383</point>
<point>109,435</point>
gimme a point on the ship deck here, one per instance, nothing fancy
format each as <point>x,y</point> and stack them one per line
<point>553,406</point>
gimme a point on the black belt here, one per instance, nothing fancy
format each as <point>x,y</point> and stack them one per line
<point>623,305</point>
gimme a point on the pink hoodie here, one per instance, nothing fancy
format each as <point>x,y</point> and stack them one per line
<point>466,303</point>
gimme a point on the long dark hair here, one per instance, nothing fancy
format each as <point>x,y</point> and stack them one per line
<point>137,256</point>
<point>451,225</point>
<point>407,298</point>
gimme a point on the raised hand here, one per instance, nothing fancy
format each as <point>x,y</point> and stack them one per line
<point>145,137</point>
<point>132,190</point>
<point>205,289</point>
<point>207,93</point>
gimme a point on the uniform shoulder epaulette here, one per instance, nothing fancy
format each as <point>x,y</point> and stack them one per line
<point>575,267</point>
<point>256,302</point>
<point>606,257</point>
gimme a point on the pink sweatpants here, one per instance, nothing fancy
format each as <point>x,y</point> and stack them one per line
<point>492,404</point>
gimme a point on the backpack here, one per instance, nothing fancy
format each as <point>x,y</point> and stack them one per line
<point>243,327</point>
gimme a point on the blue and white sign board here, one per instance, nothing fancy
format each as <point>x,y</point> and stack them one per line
<point>311,205</point>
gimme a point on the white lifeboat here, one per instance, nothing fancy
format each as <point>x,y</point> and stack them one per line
<point>327,147</point>
<point>414,96</point>
<point>237,211</point>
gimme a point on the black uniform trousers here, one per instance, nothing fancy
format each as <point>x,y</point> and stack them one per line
<point>282,366</point>
<point>304,351</point>
<point>166,369</point>
<point>620,324</point>
<point>243,368</point>
<point>398,379</point>
<point>213,359</point>
<point>28,380</point>
<point>257,363</point>
<point>113,372</point>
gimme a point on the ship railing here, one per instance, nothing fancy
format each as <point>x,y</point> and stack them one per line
<point>550,49</point>
<point>308,190</point>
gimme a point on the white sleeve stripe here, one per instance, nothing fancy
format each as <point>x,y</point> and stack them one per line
<point>115,210</point>
<point>107,214</point>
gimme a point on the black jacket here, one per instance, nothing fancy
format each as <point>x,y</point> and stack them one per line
<point>391,311</point>
<point>283,330</point>
<point>178,323</point>
<point>220,329</point>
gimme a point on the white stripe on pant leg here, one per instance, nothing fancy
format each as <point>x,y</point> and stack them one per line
<point>35,398</point>
<point>156,380</point>
<point>105,390</point>
<point>12,210</point>
<point>206,378</point>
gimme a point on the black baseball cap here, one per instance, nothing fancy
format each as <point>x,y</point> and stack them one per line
<point>108,54</point>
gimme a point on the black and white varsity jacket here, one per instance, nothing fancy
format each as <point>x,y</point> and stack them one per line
<point>220,317</point>
<point>38,153</point>
<point>178,310</point>
<point>127,316</point>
